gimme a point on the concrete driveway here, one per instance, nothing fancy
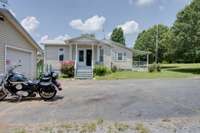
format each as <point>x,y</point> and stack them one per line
<point>120,100</point>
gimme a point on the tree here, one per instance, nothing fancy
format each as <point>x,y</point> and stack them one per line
<point>167,43</point>
<point>186,30</point>
<point>146,41</point>
<point>118,36</point>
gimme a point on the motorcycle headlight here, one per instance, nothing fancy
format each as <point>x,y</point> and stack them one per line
<point>55,75</point>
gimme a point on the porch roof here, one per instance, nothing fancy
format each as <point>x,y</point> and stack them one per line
<point>85,40</point>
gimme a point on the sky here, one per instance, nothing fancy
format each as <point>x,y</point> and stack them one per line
<point>64,19</point>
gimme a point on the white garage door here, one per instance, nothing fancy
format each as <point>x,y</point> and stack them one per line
<point>17,57</point>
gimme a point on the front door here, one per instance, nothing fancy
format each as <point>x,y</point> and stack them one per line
<point>89,57</point>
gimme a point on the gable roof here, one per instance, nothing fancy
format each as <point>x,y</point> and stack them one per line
<point>86,38</point>
<point>8,15</point>
<point>112,43</point>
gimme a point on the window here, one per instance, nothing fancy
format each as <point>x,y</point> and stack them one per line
<point>101,55</point>
<point>120,56</point>
<point>113,56</point>
<point>61,54</point>
<point>81,55</point>
<point>125,57</point>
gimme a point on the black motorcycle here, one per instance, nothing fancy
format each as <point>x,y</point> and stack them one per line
<point>16,84</point>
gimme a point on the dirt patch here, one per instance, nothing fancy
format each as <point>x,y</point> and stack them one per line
<point>173,125</point>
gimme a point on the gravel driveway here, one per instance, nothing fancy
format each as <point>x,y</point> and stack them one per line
<point>120,100</point>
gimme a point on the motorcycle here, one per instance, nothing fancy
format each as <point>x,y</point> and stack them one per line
<point>16,84</point>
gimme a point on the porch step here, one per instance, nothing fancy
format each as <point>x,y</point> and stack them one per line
<point>84,73</point>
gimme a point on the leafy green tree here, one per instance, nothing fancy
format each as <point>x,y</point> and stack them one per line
<point>146,41</point>
<point>118,36</point>
<point>186,30</point>
<point>167,42</point>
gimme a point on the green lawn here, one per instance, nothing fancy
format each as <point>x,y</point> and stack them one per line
<point>168,71</point>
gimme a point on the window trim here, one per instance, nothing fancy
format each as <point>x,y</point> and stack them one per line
<point>61,52</point>
<point>121,56</point>
<point>81,50</point>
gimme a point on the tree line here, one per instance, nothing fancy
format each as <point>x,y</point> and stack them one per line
<point>179,43</point>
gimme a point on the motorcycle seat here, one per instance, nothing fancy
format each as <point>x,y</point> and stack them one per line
<point>35,82</point>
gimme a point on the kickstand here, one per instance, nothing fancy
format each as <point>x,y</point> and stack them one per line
<point>19,98</point>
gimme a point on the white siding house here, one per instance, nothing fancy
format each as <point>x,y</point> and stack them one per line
<point>86,51</point>
<point>16,46</point>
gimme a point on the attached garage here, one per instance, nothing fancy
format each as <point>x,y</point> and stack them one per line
<point>16,46</point>
<point>23,58</point>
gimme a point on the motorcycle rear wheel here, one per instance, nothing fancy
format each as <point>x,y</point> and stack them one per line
<point>2,95</point>
<point>47,95</point>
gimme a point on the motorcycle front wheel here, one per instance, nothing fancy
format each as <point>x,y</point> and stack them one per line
<point>47,94</point>
<point>2,95</point>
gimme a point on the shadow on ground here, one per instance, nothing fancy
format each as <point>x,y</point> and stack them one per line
<point>168,67</point>
<point>15,100</point>
<point>186,70</point>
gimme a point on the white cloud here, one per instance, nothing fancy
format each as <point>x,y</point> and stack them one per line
<point>144,2</point>
<point>92,24</point>
<point>130,27</point>
<point>58,38</point>
<point>63,37</point>
<point>44,38</point>
<point>30,23</point>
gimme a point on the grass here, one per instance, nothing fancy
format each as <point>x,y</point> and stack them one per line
<point>88,128</point>
<point>168,71</point>
<point>20,131</point>
<point>141,129</point>
<point>121,127</point>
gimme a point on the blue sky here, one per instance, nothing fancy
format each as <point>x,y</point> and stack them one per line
<point>50,19</point>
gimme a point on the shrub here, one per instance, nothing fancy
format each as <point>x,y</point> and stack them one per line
<point>151,68</point>
<point>67,68</point>
<point>154,68</point>
<point>114,69</point>
<point>158,68</point>
<point>101,70</point>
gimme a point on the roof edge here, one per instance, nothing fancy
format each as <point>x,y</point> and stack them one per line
<point>19,28</point>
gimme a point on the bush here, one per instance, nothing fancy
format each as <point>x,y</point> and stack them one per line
<point>67,68</point>
<point>154,68</point>
<point>114,69</point>
<point>101,70</point>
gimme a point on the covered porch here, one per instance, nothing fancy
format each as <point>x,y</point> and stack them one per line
<point>85,54</point>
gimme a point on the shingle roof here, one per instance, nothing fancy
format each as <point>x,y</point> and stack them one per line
<point>54,42</point>
<point>115,43</point>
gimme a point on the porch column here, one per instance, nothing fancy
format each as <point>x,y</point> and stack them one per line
<point>76,58</point>
<point>98,53</point>
<point>92,56</point>
<point>70,52</point>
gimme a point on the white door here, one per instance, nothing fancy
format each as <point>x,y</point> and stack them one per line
<point>17,57</point>
<point>81,57</point>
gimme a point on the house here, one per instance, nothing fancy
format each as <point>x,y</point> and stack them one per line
<point>87,51</point>
<point>17,47</point>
